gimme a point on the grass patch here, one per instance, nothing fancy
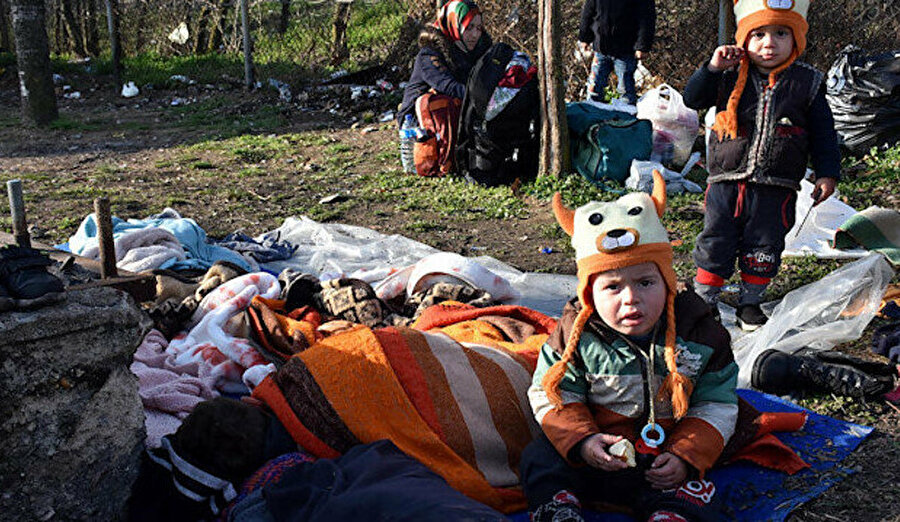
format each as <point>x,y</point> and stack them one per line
<point>202,165</point>
<point>155,69</point>
<point>444,196</point>
<point>65,122</point>
<point>575,190</point>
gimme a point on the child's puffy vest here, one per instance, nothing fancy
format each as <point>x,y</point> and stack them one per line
<point>497,146</point>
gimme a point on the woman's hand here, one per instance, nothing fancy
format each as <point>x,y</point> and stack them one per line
<point>725,57</point>
<point>594,453</point>
<point>666,472</point>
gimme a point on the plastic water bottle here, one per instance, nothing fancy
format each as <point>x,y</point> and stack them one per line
<point>407,143</point>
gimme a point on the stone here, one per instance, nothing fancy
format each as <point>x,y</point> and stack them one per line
<point>70,415</point>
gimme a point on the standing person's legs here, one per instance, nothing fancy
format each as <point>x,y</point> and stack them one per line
<point>601,66</point>
<point>625,68</point>
<point>772,211</point>
<point>717,246</point>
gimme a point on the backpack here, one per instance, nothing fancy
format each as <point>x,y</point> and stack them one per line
<point>604,142</point>
<point>495,147</point>
<point>438,115</point>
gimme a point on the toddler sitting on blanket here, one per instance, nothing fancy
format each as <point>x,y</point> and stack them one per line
<point>615,370</point>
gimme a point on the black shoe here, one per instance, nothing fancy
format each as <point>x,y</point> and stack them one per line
<point>23,271</point>
<point>6,301</point>
<point>781,373</point>
<point>750,317</point>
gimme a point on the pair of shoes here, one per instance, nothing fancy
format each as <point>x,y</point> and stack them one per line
<point>563,508</point>
<point>750,317</point>
<point>24,280</point>
<point>825,371</point>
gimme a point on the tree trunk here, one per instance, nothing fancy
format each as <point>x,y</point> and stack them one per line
<point>544,156</point>
<point>285,19</point>
<point>89,28</point>
<point>201,44</point>
<point>554,129</point>
<point>33,58</point>
<point>339,51</point>
<point>5,43</point>
<point>59,28</point>
<point>73,27</point>
<point>218,35</point>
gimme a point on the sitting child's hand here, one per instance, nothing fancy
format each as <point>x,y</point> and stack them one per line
<point>594,453</point>
<point>666,472</point>
<point>725,57</point>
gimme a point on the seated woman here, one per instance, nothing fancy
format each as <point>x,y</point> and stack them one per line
<point>448,50</point>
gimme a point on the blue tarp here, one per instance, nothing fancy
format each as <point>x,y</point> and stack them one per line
<point>752,493</point>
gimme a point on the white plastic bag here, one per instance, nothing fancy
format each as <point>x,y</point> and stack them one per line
<point>130,90</point>
<point>640,177</point>
<point>819,315</point>
<point>675,126</point>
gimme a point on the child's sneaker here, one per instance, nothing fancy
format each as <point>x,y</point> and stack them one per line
<point>23,271</point>
<point>563,508</point>
<point>750,317</point>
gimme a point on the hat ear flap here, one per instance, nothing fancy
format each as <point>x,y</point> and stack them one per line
<point>659,193</point>
<point>564,216</point>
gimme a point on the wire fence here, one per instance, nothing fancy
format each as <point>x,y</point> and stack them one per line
<point>315,37</point>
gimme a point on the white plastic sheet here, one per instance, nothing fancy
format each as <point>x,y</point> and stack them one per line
<point>333,250</point>
<point>816,233</point>
<point>819,315</point>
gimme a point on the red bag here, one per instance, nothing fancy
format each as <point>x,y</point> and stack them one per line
<point>438,114</point>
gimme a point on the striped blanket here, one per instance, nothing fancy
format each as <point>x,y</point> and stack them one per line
<point>875,229</point>
<point>459,408</point>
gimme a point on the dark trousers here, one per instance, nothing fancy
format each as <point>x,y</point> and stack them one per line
<point>544,473</point>
<point>747,222</point>
<point>602,65</point>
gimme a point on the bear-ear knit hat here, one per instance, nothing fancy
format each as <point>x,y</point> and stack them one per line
<point>613,235</point>
<point>454,17</point>
<point>749,15</point>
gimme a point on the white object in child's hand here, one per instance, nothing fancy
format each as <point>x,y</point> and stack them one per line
<point>624,451</point>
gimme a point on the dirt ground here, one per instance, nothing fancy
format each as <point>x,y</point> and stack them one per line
<point>143,155</point>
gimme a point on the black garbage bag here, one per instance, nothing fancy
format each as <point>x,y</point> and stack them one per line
<point>863,91</point>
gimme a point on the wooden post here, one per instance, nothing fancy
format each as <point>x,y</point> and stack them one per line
<point>248,51</point>
<point>554,128</point>
<point>17,209</point>
<point>105,238</point>
<point>726,21</point>
<point>112,25</point>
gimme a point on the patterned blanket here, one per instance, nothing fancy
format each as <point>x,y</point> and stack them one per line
<point>460,409</point>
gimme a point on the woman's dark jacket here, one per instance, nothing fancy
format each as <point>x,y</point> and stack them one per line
<point>440,65</point>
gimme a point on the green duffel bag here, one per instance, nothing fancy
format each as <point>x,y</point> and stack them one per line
<point>604,142</point>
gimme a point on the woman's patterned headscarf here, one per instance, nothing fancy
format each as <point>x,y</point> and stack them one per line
<point>454,17</point>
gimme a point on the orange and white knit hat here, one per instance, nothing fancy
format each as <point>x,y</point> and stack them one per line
<point>749,15</point>
<point>613,235</point>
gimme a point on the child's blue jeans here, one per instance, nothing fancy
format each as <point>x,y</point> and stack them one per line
<point>604,64</point>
